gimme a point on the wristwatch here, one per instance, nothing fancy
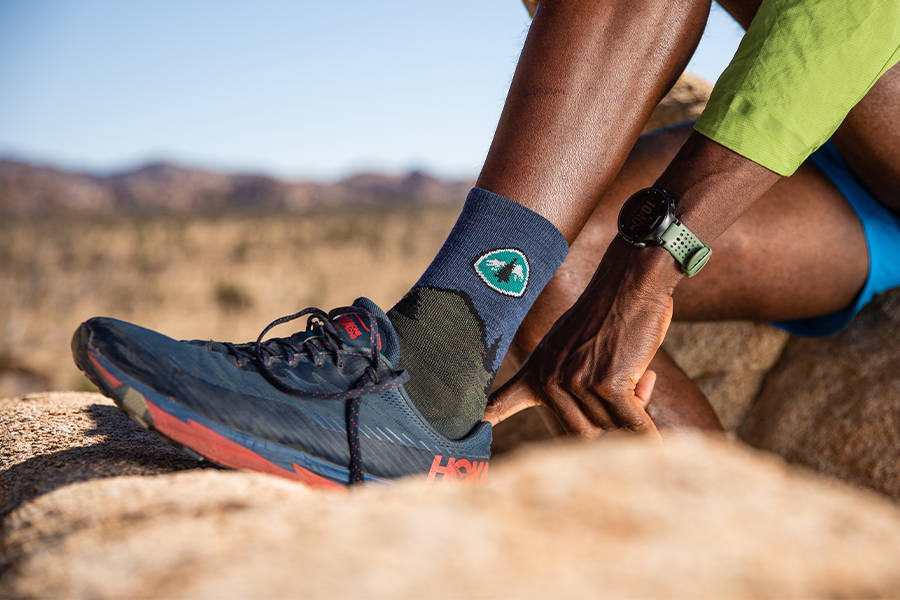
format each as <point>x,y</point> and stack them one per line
<point>648,219</point>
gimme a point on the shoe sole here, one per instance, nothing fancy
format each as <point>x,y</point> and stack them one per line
<point>196,435</point>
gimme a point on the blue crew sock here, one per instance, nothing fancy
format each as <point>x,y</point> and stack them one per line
<point>456,324</point>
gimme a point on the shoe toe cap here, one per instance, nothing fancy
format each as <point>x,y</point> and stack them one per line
<point>123,343</point>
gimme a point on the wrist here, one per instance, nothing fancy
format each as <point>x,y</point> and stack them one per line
<point>651,268</point>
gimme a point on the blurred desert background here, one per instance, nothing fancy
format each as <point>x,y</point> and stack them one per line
<point>221,275</point>
<point>199,254</point>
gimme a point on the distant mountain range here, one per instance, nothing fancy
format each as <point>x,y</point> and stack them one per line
<point>30,191</point>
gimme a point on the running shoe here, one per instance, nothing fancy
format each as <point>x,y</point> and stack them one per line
<point>325,406</point>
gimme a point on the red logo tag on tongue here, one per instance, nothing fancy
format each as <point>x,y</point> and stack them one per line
<point>349,326</point>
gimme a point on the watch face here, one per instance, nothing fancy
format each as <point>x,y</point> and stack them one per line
<point>643,214</point>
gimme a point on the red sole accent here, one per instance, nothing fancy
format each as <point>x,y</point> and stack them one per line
<point>106,375</point>
<point>223,451</point>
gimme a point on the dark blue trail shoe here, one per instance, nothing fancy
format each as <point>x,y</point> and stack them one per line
<point>325,406</point>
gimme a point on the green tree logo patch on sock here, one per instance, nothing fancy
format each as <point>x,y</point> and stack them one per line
<point>504,270</point>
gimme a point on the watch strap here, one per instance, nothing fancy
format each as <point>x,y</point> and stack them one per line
<point>688,250</point>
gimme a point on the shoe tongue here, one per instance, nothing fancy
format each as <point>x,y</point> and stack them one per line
<point>354,330</point>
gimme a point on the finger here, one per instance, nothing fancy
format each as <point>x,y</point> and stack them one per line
<point>644,424</point>
<point>631,415</point>
<point>643,391</point>
<point>592,406</point>
<point>569,410</point>
<point>513,397</point>
<point>576,421</point>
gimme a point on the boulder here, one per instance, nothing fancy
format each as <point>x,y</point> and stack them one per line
<point>617,518</point>
<point>684,102</point>
<point>833,404</point>
<point>53,439</point>
<point>728,360</point>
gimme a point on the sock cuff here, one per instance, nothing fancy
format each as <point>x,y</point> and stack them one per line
<point>486,205</point>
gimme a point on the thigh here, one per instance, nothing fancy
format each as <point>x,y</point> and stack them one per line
<point>869,140</point>
<point>798,252</point>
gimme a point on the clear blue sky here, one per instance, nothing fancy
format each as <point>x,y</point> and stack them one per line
<point>294,88</point>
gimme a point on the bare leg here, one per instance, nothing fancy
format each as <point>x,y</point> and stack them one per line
<point>565,131</point>
<point>869,139</point>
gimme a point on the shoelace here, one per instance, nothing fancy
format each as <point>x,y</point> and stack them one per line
<point>326,340</point>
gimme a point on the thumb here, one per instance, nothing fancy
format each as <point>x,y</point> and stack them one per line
<point>642,395</point>
<point>513,397</point>
<point>644,388</point>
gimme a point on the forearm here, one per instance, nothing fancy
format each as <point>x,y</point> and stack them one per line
<point>714,185</point>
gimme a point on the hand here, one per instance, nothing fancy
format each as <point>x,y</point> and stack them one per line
<point>591,367</point>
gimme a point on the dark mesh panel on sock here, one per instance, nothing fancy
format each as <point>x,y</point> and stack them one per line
<point>456,324</point>
<point>446,354</point>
